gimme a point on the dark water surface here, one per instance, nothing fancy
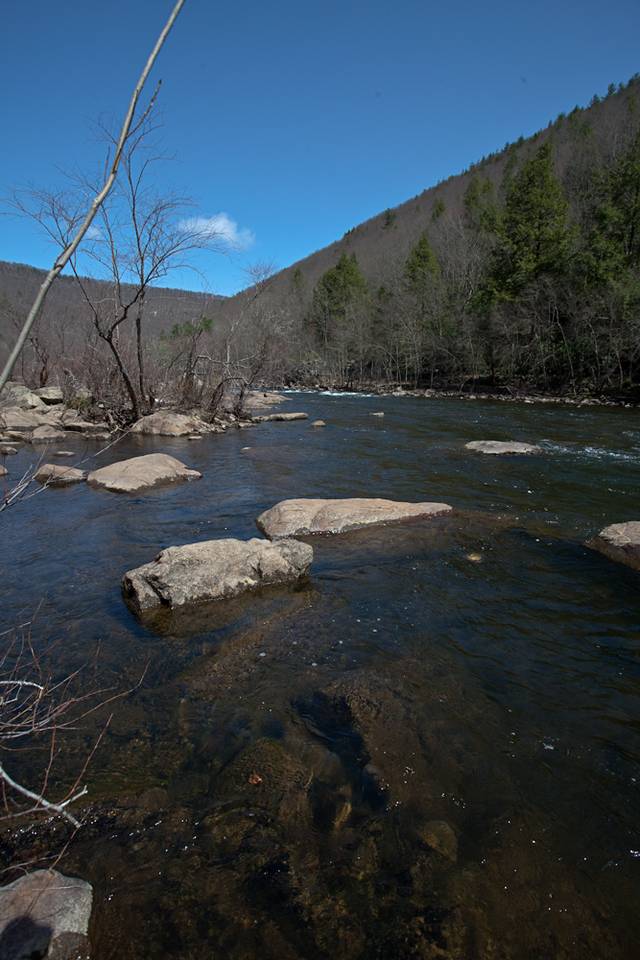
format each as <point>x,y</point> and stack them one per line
<point>431,750</point>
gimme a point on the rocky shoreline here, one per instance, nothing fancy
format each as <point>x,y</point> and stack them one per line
<point>433,394</point>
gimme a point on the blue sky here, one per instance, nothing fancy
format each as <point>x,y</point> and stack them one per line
<point>295,121</point>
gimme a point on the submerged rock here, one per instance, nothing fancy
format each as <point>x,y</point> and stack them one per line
<point>213,570</point>
<point>620,542</point>
<point>141,473</point>
<point>438,835</point>
<point>502,447</point>
<point>7,451</point>
<point>377,413</point>
<point>164,423</point>
<point>292,518</point>
<point>55,475</point>
<point>3,471</point>
<point>318,423</point>
<point>45,914</point>
<point>268,418</point>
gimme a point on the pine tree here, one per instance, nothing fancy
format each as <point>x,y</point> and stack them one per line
<point>340,288</point>
<point>533,236</point>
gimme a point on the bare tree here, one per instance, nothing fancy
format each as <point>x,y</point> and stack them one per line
<point>128,129</point>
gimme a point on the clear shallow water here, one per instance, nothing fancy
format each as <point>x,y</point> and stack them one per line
<point>406,684</point>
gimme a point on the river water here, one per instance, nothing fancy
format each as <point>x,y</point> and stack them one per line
<point>429,750</point>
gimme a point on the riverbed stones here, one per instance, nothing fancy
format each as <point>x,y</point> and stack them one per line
<point>502,447</point>
<point>291,518</point>
<point>3,471</point>
<point>55,475</point>
<point>7,451</point>
<point>620,542</point>
<point>165,423</point>
<point>213,570</point>
<point>284,417</point>
<point>141,473</point>
<point>45,914</point>
<point>318,423</point>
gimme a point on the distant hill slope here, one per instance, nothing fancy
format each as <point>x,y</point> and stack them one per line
<point>65,306</point>
<point>383,241</point>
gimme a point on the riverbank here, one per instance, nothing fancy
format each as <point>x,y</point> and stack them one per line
<point>432,394</point>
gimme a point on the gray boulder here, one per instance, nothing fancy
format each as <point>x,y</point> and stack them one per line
<point>141,473</point>
<point>502,447</point>
<point>17,395</point>
<point>14,419</point>
<point>262,399</point>
<point>213,570</point>
<point>45,914</point>
<point>620,542</point>
<point>164,423</point>
<point>285,417</point>
<point>3,471</point>
<point>50,395</point>
<point>55,475</point>
<point>292,518</point>
<point>7,450</point>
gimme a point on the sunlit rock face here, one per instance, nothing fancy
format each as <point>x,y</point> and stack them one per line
<point>141,473</point>
<point>502,447</point>
<point>213,570</point>
<point>292,518</point>
<point>620,542</point>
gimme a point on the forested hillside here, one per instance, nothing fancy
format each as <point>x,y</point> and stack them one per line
<point>524,271</point>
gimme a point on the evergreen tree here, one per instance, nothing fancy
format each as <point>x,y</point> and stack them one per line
<point>533,236</point>
<point>339,289</point>
<point>612,254</point>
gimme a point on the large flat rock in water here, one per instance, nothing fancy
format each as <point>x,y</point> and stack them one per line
<point>292,518</point>
<point>164,423</point>
<point>502,447</point>
<point>284,417</point>
<point>141,473</point>
<point>45,914</point>
<point>620,542</point>
<point>213,570</point>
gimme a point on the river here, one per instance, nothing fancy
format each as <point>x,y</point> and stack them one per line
<point>429,750</point>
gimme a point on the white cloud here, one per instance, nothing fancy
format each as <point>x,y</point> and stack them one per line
<point>93,233</point>
<point>220,227</point>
